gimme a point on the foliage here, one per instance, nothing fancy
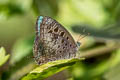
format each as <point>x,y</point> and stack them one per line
<point>3,57</point>
<point>101,49</point>
<point>49,69</point>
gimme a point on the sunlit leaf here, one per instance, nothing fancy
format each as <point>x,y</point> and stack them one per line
<point>3,57</point>
<point>50,68</point>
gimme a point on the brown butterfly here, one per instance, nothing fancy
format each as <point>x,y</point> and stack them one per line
<point>53,41</point>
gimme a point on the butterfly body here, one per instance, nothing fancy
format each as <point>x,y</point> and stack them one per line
<point>52,42</point>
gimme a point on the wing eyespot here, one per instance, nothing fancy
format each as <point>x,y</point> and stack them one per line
<point>65,44</point>
<point>67,38</point>
<point>60,51</point>
<point>63,47</point>
<point>58,46</point>
<point>56,29</point>
<point>62,41</point>
<point>62,34</point>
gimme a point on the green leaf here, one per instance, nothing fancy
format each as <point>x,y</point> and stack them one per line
<point>50,68</point>
<point>3,57</point>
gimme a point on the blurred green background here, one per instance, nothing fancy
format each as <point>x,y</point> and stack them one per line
<point>100,18</point>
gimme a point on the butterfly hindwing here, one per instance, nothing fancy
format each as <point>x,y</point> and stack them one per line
<point>53,41</point>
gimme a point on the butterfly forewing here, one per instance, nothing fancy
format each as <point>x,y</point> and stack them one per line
<point>53,41</point>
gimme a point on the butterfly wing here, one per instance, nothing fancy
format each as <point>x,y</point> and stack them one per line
<point>53,41</point>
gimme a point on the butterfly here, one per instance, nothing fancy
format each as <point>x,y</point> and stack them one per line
<point>52,41</point>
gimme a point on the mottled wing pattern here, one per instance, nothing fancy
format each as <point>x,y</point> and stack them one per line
<point>53,42</point>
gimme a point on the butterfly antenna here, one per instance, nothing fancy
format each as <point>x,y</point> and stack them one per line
<point>79,37</point>
<point>82,36</point>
